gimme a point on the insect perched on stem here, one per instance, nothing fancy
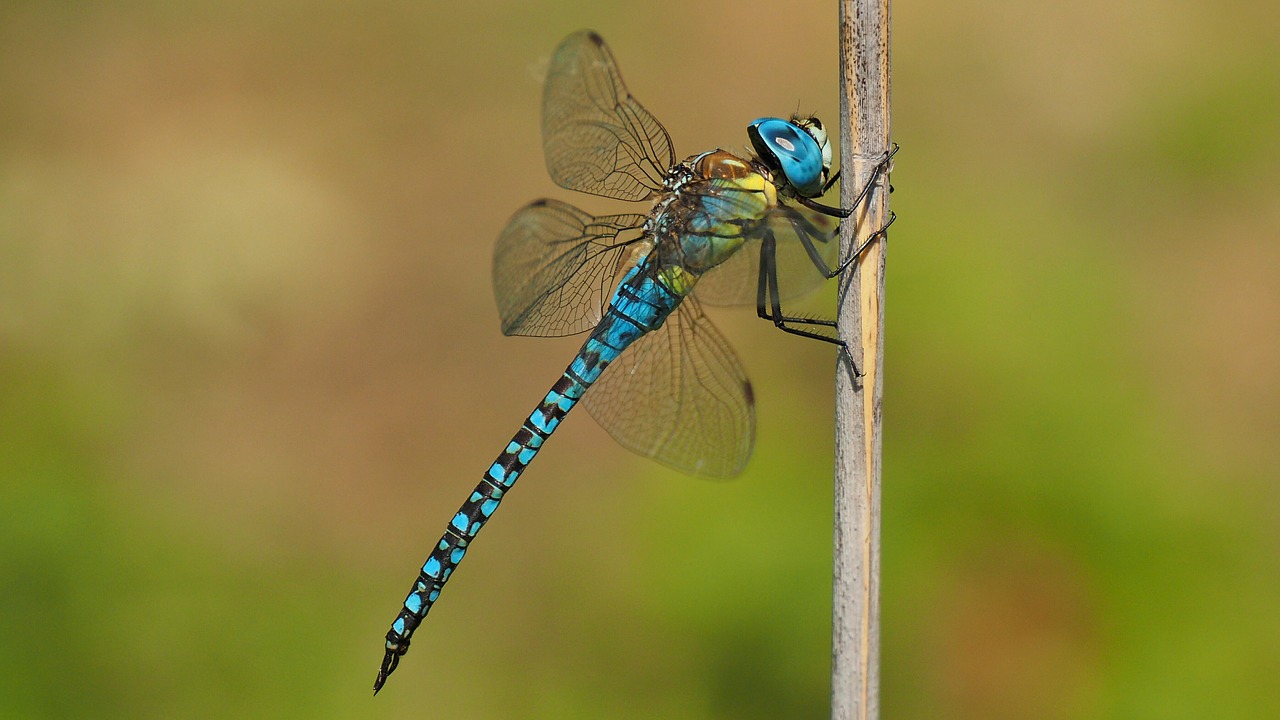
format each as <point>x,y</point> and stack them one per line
<point>721,229</point>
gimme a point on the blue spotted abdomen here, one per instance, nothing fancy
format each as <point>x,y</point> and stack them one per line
<point>639,305</point>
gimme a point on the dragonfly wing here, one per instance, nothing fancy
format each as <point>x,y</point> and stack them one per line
<point>597,138</point>
<point>736,281</point>
<point>555,266</point>
<point>679,396</point>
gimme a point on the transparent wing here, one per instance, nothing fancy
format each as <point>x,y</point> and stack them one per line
<point>736,280</point>
<point>597,138</point>
<point>679,396</point>
<point>554,267</point>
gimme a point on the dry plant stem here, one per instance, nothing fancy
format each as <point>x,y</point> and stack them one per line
<point>864,137</point>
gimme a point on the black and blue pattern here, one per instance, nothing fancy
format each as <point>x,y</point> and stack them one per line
<point>640,305</point>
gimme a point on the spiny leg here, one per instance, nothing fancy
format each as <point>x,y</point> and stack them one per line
<point>769,298</point>
<point>839,212</point>
<point>883,232</point>
<point>807,233</point>
<point>769,307</point>
<point>768,292</point>
<point>832,180</point>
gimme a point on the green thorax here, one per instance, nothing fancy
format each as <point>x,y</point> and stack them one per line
<point>715,202</point>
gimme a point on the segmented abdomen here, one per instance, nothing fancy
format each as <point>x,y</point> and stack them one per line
<point>640,305</point>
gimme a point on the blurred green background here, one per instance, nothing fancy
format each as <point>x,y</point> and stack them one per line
<point>250,364</point>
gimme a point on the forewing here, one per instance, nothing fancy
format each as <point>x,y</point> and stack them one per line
<point>736,280</point>
<point>680,396</point>
<point>597,138</point>
<point>554,267</point>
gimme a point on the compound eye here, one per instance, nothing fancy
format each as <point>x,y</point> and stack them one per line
<point>792,151</point>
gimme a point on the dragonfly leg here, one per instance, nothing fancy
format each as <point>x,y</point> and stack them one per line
<point>840,212</point>
<point>769,300</point>
<point>808,234</point>
<point>768,296</point>
<point>769,307</point>
<point>883,232</point>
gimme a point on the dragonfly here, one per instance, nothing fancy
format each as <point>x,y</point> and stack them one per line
<point>721,230</point>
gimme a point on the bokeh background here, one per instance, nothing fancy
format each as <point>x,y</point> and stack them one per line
<point>250,364</point>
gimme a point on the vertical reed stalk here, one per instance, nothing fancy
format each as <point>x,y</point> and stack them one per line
<point>864,138</point>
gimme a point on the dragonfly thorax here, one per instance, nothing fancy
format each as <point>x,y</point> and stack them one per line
<point>712,203</point>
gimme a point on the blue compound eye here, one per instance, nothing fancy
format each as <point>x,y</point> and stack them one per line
<point>786,148</point>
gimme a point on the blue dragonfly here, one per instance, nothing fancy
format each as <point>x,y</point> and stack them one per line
<point>721,229</point>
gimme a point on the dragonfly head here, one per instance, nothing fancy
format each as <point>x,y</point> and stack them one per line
<point>797,150</point>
